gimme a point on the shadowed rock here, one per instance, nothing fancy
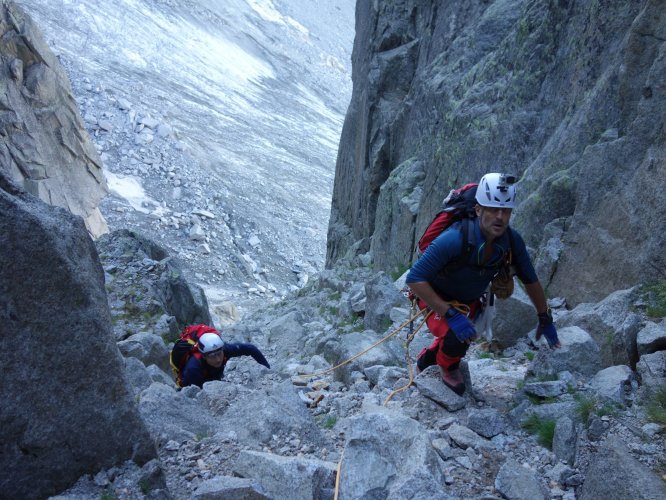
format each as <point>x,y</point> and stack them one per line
<point>66,408</point>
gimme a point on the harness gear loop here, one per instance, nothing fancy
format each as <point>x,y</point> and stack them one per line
<point>460,307</point>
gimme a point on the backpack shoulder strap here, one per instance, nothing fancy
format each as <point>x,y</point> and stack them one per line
<point>468,244</point>
<point>511,245</point>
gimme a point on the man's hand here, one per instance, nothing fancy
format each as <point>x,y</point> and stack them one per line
<point>547,329</point>
<point>462,327</point>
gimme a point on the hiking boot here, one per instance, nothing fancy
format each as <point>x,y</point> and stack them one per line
<point>453,379</point>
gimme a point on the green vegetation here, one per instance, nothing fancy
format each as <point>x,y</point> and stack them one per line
<point>108,494</point>
<point>131,309</point>
<point>609,337</point>
<point>529,355</point>
<point>585,406</point>
<point>353,323</point>
<point>330,422</point>
<point>656,409</point>
<point>144,486</point>
<point>385,324</point>
<point>486,355</point>
<point>399,271</point>
<point>538,400</point>
<point>543,429</point>
<point>167,338</point>
<point>655,296</point>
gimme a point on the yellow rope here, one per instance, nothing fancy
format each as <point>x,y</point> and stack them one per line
<point>463,308</point>
<point>337,477</point>
<point>459,306</point>
<point>397,330</point>
<point>409,360</point>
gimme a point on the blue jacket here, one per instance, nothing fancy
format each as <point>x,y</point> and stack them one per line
<point>469,281</point>
<point>197,371</point>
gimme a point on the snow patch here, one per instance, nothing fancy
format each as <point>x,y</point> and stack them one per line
<point>129,188</point>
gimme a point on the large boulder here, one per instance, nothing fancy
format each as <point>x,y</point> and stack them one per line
<point>651,338</point>
<point>345,348</point>
<point>44,147</point>
<point>612,325</point>
<point>388,455</point>
<point>515,318</point>
<point>651,369</point>
<point>579,354</point>
<point>296,478</point>
<point>147,286</point>
<point>256,416</point>
<point>66,407</point>
<point>609,469</point>
<point>382,295</point>
<point>519,483</point>
<point>615,384</point>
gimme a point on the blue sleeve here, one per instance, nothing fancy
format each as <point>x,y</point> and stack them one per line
<point>193,373</point>
<point>235,350</point>
<point>524,268</point>
<point>446,247</point>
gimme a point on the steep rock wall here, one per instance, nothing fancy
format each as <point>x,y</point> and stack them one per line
<point>43,144</point>
<point>568,95</point>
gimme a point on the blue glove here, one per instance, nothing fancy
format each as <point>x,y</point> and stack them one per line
<point>462,327</point>
<point>547,329</point>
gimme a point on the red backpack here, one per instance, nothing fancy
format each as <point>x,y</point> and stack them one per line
<point>186,346</point>
<point>458,205</point>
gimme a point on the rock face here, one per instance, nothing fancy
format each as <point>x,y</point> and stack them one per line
<point>66,409</point>
<point>44,147</point>
<point>565,94</point>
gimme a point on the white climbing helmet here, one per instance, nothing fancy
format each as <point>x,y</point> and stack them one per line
<point>210,342</point>
<point>497,190</point>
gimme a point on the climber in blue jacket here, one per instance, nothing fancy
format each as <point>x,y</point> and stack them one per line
<point>214,354</point>
<point>440,282</point>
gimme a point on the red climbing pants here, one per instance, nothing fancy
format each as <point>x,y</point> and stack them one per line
<point>446,350</point>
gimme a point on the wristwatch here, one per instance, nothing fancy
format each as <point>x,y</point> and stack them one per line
<point>546,318</point>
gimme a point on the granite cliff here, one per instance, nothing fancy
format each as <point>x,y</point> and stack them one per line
<point>567,95</point>
<point>45,148</point>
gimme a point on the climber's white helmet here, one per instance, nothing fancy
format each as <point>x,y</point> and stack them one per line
<point>497,190</point>
<point>210,342</point>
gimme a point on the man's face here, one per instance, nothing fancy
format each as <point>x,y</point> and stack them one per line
<point>215,359</point>
<point>493,221</point>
